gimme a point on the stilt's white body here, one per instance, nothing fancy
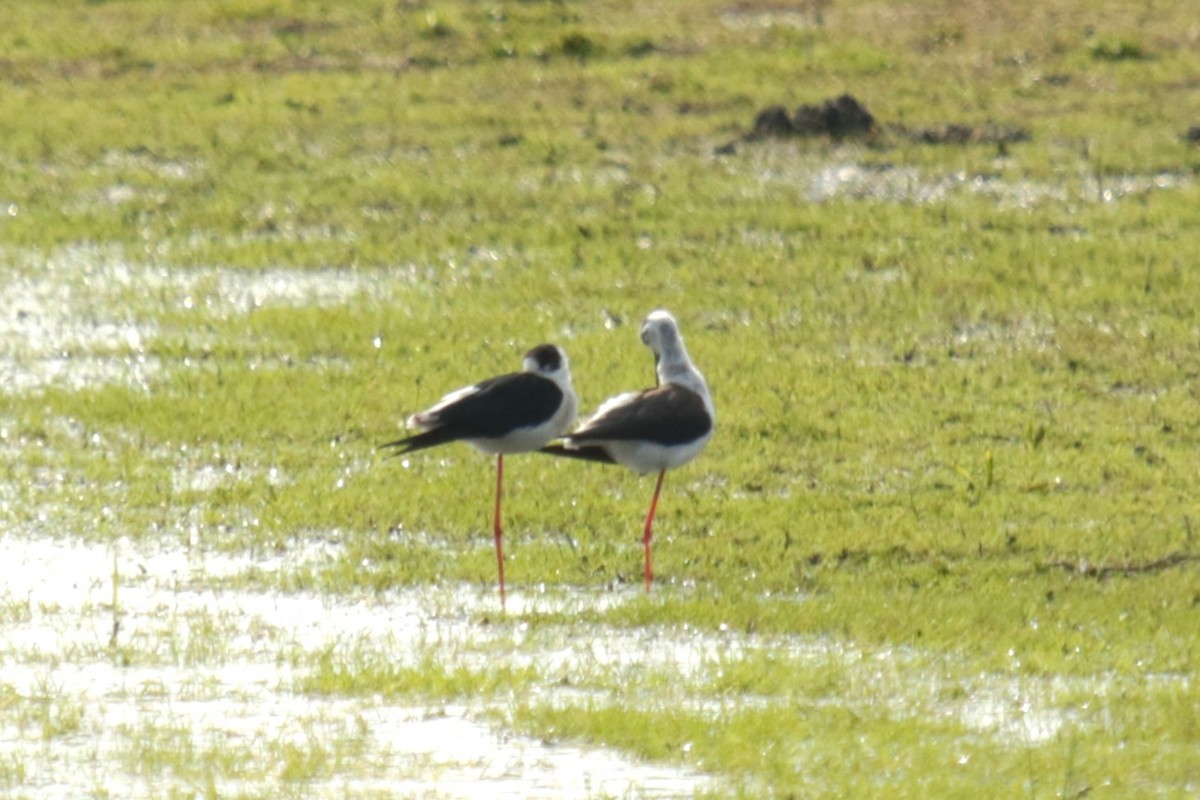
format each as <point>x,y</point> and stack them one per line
<point>656,429</point>
<point>514,413</point>
<point>660,428</point>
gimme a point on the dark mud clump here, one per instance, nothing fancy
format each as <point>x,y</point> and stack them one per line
<point>772,122</point>
<point>838,118</point>
<point>844,117</point>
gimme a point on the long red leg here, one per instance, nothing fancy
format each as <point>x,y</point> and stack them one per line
<point>497,531</point>
<point>650,526</point>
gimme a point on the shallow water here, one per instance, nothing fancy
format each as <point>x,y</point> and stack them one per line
<point>831,180</point>
<point>87,315</point>
<point>215,668</point>
<point>210,668</point>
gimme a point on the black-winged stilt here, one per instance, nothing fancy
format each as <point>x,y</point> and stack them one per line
<point>513,413</point>
<point>653,430</point>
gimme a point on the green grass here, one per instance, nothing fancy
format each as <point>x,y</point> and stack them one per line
<point>957,405</point>
<point>172,757</point>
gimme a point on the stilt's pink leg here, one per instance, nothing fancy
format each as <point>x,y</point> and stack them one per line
<point>650,525</point>
<point>497,531</point>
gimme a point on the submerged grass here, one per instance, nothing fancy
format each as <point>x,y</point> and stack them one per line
<point>956,385</point>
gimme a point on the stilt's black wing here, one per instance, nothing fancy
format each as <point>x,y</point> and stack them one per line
<point>666,415</point>
<point>488,410</point>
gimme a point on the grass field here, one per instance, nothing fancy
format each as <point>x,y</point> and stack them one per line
<point>943,543</point>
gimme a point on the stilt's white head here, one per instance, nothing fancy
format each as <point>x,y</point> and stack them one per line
<point>660,332</point>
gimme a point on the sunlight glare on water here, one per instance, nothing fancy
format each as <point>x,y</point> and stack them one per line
<point>241,687</point>
<point>221,665</point>
<point>85,315</point>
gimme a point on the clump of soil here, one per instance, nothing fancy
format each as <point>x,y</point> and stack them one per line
<point>839,118</point>
<point>844,117</point>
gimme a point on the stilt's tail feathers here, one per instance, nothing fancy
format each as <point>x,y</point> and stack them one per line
<point>420,441</point>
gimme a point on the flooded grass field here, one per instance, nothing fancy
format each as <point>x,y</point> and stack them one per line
<point>943,543</point>
<point>202,690</point>
<point>186,687</point>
